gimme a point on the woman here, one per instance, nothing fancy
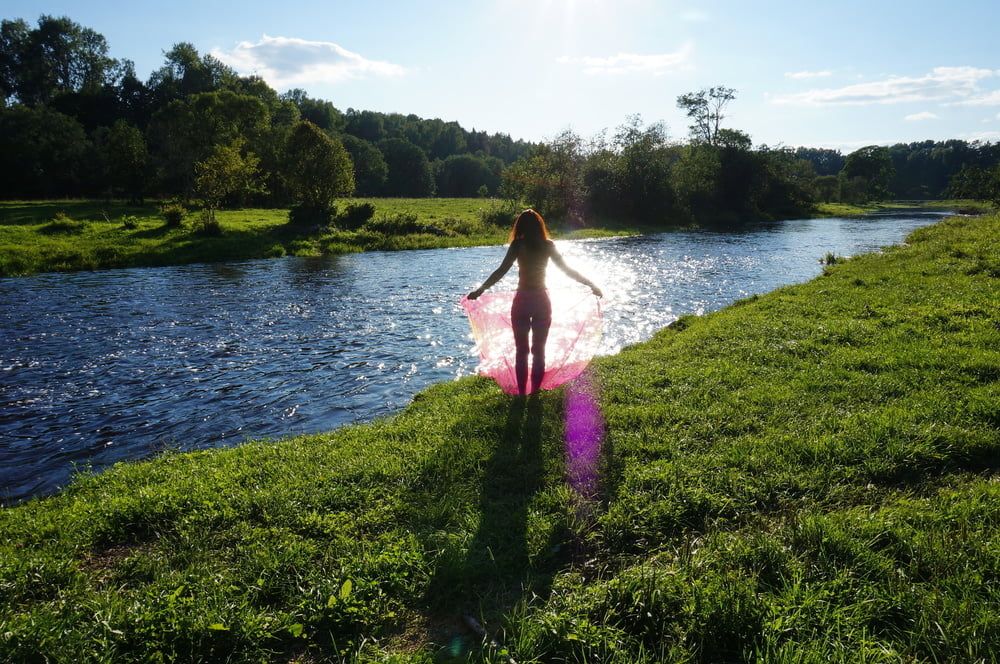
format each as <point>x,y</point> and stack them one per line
<point>531,310</point>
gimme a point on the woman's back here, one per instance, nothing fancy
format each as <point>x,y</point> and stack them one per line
<point>532,259</point>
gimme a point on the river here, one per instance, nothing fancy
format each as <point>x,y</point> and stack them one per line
<point>98,367</point>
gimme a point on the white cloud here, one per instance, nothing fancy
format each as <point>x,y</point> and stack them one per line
<point>922,115</point>
<point>941,84</point>
<point>798,75</point>
<point>986,99</point>
<point>633,63</point>
<point>287,62</point>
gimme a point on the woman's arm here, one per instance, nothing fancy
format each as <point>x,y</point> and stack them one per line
<point>498,273</point>
<point>558,260</point>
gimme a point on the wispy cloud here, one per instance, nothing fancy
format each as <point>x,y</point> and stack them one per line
<point>922,115</point>
<point>940,84</point>
<point>983,136</point>
<point>986,99</point>
<point>287,62</point>
<point>798,75</point>
<point>655,64</point>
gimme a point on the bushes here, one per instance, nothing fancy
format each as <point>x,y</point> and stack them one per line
<point>403,223</point>
<point>499,213</point>
<point>312,215</point>
<point>130,222</point>
<point>173,214</point>
<point>208,224</point>
<point>356,215</point>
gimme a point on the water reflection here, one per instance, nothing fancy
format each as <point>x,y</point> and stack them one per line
<point>103,366</point>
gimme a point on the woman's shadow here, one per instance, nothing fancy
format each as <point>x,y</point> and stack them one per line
<point>502,562</point>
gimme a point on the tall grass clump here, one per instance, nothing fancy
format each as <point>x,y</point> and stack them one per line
<point>62,224</point>
<point>173,214</point>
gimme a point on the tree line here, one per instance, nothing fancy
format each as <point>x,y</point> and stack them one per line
<point>76,122</point>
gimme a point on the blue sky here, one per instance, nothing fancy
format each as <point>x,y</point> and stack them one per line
<point>836,74</point>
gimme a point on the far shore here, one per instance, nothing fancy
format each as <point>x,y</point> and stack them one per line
<point>74,235</point>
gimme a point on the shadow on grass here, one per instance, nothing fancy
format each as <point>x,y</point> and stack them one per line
<point>27,213</point>
<point>476,497</point>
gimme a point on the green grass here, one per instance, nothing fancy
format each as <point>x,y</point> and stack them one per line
<point>964,206</point>
<point>89,235</point>
<point>805,476</point>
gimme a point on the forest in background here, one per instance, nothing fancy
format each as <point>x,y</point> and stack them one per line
<point>76,122</point>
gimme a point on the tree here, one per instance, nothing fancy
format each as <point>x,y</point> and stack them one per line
<point>368,125</point>
<point>695,179</point>
<point>464,175</point>
<point>827,188</point>
<point>552,179</point>
<point>185,131</point>
<point>127,158</point>
<point>320,112</point>
<point>824,160</point>
<point>224,174</point>
<point>874,165</point>
<point>370,169</point>
<point>317,168</point>
<point>705,107</point>
<point>13,45</point>
<point>41,153</point>
<point>409,170</point>
<point>185,72</point>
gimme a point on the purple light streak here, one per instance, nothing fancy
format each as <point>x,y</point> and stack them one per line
<point>584,435</point>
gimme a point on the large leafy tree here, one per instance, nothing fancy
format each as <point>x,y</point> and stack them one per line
<point>57,57</point>
<point>42,153</point>
<point>552,179</point>
<point>873,164</point>
<point>186,130</point>
<point>409,170</point>
<point>226,173</point>
<point>320,112</point>
<point>127,158</point>
<point>370,169</point>
<point>317,167</point>
<point>466,175</point>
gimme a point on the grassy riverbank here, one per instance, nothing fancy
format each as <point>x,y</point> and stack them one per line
<point>41,236</point>
<point>963,206</point>
<point>806,476</point>
<point>86,235</point>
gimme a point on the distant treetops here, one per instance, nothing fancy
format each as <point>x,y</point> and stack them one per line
<point>76,122</point>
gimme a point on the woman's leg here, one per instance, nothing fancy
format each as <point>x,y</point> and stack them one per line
<point>539,335</point>
<point>520,318</point>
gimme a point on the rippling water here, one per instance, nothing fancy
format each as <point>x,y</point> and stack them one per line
<point>97,367</point>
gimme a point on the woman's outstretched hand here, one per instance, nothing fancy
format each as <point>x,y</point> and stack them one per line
<point>597,291</point>
<point>475,294</point>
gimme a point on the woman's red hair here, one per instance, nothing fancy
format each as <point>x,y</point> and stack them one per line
<point>529,226</point>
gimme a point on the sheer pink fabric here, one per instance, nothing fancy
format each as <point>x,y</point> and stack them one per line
<point>573,340</point>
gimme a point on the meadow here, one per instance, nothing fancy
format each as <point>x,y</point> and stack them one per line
<point>805,476</point>
<point>60,236</point>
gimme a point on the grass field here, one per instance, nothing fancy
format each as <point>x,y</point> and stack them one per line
<point>805,476</point>
<point>88,235</point>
